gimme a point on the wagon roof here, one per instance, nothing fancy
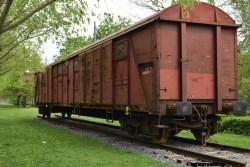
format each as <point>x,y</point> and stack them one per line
<point>200,13</point>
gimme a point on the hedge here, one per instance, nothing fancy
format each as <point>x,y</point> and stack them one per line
<point>235,125</point>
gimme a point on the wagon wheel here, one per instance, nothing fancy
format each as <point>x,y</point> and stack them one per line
<point>48,115</point>
<point>69,114</point>
<point>43,111</point>
<point>172,133</point>
<point>132,131</point>
<point>63,114</point>
<point>162,137</point>
<point>201,135</point>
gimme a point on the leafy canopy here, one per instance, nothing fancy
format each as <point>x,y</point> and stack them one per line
<point>37,21</point>
<point>19,80</point>
<point>108,25</point>
<point>157,5</point>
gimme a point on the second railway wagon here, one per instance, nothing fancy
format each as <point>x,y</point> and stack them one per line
<point>172,71</point>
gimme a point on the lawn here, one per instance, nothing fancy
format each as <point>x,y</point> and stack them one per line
<point>223,138</point>
<point>26,141</point>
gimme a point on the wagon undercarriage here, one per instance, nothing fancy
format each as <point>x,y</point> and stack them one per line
<point>159,127</point>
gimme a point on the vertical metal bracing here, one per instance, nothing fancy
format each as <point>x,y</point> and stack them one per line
<point>218,68</point>
<point>128,64</point>
<point>62,94</point>
<point>183,61</point>
<point>57,83</point>
<point>113,73</point>
<point>73,79</point>
<point>133,56</point>
<point>84,78</point>
<point>100,73</point>
<point>68,71</point>
<point>80,79</point>
<point>236,64</point>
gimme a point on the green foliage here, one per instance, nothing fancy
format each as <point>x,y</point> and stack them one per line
<point>191,2</point>
<point>24,26</point>
<point>157,5</point>
<point>56,19</point>
<point>244,76</point>
<point>19,80</point>
<point>38,21</point>
<point>186,2</point>
<point>243,8</point>
<point>108,25</point>
<point>235,125</point>
<point>72,44</point>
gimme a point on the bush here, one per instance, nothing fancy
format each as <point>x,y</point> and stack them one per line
<point>235,125</point>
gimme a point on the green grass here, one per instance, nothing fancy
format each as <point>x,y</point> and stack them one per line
<point>26,141</point>
<point>223,138</point>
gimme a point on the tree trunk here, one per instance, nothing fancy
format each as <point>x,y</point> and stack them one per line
<point>18,100</point>
<point>24,101</point>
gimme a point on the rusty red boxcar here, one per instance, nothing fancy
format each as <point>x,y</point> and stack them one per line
<point>172,71</point>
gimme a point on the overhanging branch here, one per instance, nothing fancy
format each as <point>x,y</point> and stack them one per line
<point>4,58</point>
<point>5,13</point>
<point>25,18</point>
<point>14,46</point>
<point>1,3</point>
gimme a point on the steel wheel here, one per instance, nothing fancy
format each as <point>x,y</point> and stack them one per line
<point>201,135</point>
<point>162,137</point>
<point>132,131</point>
<point>69,115</point>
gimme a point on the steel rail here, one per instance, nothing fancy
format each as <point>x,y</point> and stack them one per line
<point>204,157</point>
<point>181,139</point>
<point>115,130</point>
<point>215,145</point>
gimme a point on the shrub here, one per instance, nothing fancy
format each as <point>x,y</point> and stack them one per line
<point>235,125</point>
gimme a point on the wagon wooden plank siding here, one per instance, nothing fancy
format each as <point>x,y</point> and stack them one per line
<point>172,71</point>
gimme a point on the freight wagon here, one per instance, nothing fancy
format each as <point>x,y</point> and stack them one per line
<point>174,70</point>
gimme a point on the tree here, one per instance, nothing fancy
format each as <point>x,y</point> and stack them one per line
<point>108,25</point>
<point>72,44</point>
<point>243,8</point>
<point>22,20</point>
<point>18,83</point>
<point>157,5</point>
<point>244,76</point>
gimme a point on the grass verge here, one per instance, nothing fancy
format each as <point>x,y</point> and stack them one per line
<point>223,138</point>
<point>25,141</point>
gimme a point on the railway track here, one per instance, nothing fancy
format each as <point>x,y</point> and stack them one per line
<point>115,130</point>
<point>215,145</point>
